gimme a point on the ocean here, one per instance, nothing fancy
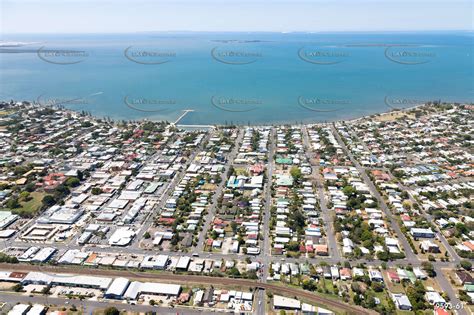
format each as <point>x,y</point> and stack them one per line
<point>238,78</point>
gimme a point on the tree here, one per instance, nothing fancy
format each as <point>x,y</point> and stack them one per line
<point>175,238</point>
<point>406,204</point>
<point>146,235</point>
<point>295,172</point>
<point>296,220</point>
<point>377,287</point>
<point>252,274</point>
<point>17,287</point>
<point>30,187</point>
<point>48,201</point>
<point>96,191</point>
<point>111,311</point>
<point>234,226</point>
<point>25,196</point>
<point>428,267</point>
<point>357,300</point>
<point>466,264</point>
<point>46,290</point>
<point>8,259</point>
<point>309,285</point>
<point>234,272</point>
<point>13,203</point>
<point>404,195</point>
<point>349,190</point>
<point>73,182</point>
<point>293,246</point>
<point>416,295</point>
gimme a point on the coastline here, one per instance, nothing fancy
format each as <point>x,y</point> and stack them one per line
<point>183,113</point>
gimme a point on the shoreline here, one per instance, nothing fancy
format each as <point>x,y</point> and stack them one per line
<point>184,112</point>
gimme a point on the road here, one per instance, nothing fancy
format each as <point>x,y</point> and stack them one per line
<point>167,193</point>
<point>454,256</point>
<point>410,255</point>
<point>326,213</point>
<point>452,253</point>
<point>265,253</point>
<point>190,279</point>
<point>212,209</point>
<point>446,287</point>
<point>88,306</point>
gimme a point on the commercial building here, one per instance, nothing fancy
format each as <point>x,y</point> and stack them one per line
<point>136,288</point>
<point>117,289</point>
<point>284,303</point>
<point>101,283</point>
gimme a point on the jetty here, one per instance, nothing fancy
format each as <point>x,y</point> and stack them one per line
<point>185,112</point>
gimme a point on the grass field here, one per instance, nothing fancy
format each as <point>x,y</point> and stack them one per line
<point>4,112</point>
<point>391,116</point>
<point>31,206</point>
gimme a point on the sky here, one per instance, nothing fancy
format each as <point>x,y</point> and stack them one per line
<point>129,16</point>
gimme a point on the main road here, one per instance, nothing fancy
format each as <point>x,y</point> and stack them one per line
<point>265,253</point>
<point>193,279</point>
<point>326,213</point>
<point>89,306</point>
<point>213,207</point>
<point>410,256</point>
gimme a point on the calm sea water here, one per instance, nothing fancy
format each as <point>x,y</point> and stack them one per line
<point>238,77</point>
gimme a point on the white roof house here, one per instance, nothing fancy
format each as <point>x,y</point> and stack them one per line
<point>401,301</point>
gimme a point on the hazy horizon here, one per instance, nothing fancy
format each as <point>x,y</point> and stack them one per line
<point>252,32</point>
<point>120,16</point>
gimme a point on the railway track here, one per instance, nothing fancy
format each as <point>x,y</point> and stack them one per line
<point>195,279</point>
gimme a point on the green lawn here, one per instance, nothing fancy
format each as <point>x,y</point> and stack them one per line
<point>30,207</point>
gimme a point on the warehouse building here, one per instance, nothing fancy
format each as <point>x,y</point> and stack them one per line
<point>135,289</point>
<point>117,289</point>
<point>101,283</point>
<point>284,303</point>
<point>183,263</point>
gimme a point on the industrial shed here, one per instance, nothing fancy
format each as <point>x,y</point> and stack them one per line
<point>136,288</point>
<point>101,283</point>
<point>117,288</point>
